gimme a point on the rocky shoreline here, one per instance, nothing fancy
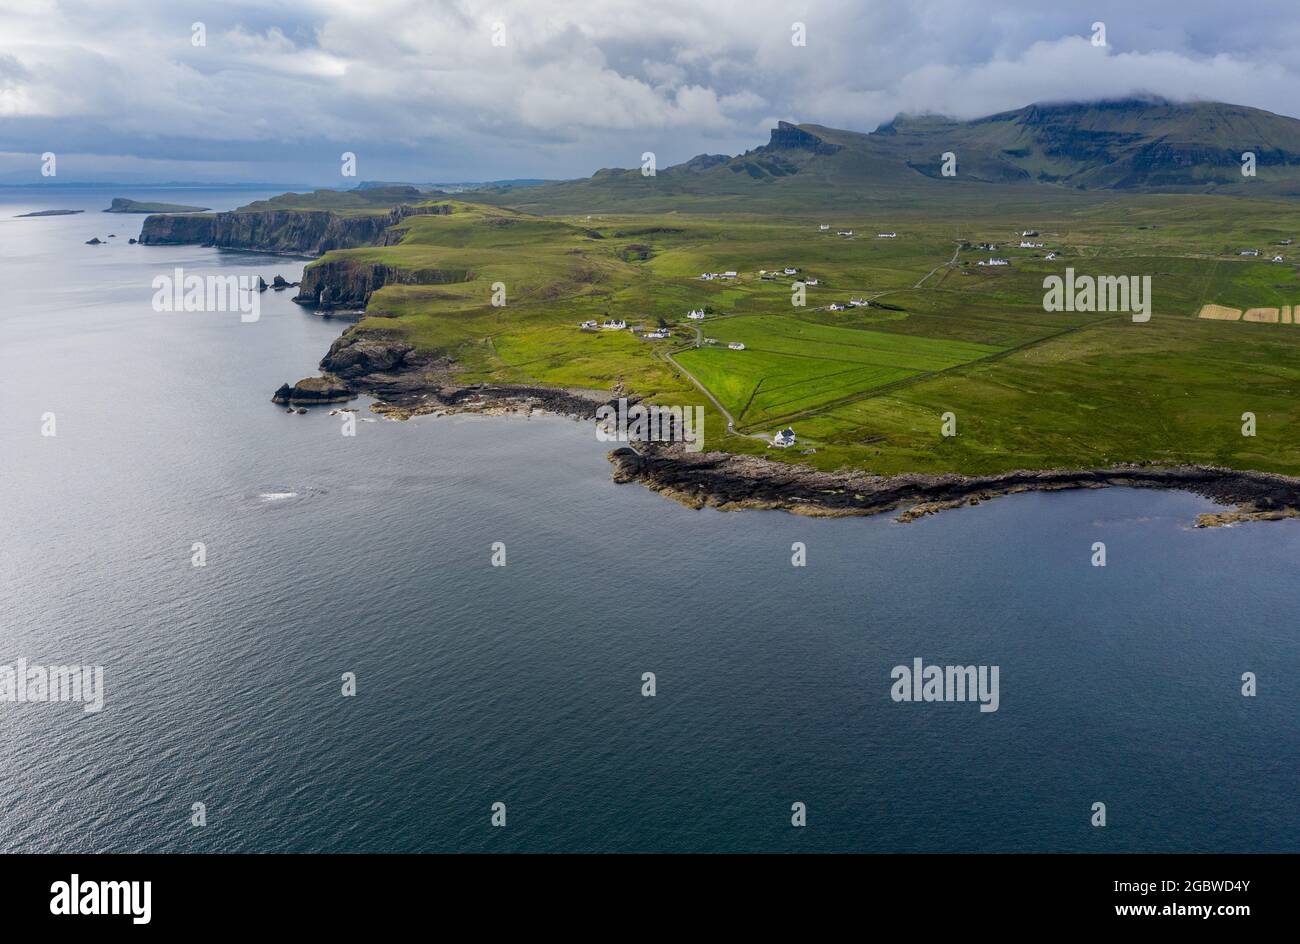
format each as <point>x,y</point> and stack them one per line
<point>731,482</point>
<point>405,384</point>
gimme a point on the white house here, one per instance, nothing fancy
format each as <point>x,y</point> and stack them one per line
<point>710,340</point>
<point>784,439</point>
<point>886,235</point>
<point>1250,252</point>
<point>790,270</point>
<point>1030,232</point>
<point>708,276</point>
<point>995,262</point>
<point>859,303</point>
<point>809,281</point>
<point>824,227</point>
<point>696,314</point>
<point>736,346</point>
<point>836,306</point>
<point>728,275</point>
<point>1025,244</point>
<point>588,324</point>
<point>845,232</point>
<point>1051,256</point>
<point>1278,259</point>
<point>658,334</point>
<point>616,324</point>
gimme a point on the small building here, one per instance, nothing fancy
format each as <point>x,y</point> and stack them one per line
<point>859,303</point>
<point>1249,252</point>
<point>1051,256</point>
<point>784,439</point>
<point>837,306</point>
<point>886,235</point>
<point>824,227</point>
<point>658,334</point>
<point>588,324</point>
<point>1278,259</point>
<point>994,262</point>
<point>809,281</point>
<point>1026,244</point>
<point>1030,232</point>
<point>710,340</point>
<point>727,275</point>
<point>987,247</point>
<point>696,314</point>
<point>845,232</point>
<point>615,324</point>
<point>790,270</point>
<point>736,346</point>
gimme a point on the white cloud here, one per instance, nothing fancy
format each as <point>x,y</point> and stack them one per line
<point>418,90</point>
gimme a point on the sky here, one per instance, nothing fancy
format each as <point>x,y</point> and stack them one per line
<point>472,90</point>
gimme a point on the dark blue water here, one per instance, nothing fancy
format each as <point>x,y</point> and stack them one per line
<point>522,684</point>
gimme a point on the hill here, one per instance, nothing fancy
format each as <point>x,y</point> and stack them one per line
<point>1041,153</point>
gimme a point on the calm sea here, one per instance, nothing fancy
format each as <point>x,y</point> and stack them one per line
<point>522,684</point>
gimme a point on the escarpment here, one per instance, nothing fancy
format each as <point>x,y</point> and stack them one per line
<point>294,232</point>
<point>349,283</point>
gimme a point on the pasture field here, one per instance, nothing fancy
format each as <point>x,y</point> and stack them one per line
<point>866,387</point>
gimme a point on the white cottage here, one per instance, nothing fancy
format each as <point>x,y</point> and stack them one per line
<point>784,439</point>
<point>736,346</point>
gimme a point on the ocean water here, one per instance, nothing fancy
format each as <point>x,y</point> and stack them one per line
<point>522,684</point>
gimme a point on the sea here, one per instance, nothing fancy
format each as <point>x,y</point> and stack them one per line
<point>442,635</point>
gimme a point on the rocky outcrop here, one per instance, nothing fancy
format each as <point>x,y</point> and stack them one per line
<point>358,353</point>
<point>312,390</point>
<point>293,232</point>
<point>786,136</point>
<point>348,283</point>
<point>730,482</point>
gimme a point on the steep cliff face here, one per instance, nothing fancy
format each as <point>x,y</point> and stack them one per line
<point>347,283</point>
<point>160,230</point>
<point>300,232</point>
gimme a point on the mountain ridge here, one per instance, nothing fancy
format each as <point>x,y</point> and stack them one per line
<point>1133,145</point>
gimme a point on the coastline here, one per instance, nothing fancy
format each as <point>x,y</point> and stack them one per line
<point>407,385</point>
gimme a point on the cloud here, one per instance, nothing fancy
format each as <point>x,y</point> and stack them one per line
<point>421,91</point>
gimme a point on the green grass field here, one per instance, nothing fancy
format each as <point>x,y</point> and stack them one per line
<point>867,387</point>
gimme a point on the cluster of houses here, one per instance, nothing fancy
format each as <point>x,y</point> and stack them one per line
<point>1256,252</point>
<point>994,261</point>
<point>611,324</point>
<point>852,303</point>
<point>710,276</point>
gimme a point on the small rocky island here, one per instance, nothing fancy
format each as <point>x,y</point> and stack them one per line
<point>48,213</point>
<point>312,390</point>
<point>124,205</point>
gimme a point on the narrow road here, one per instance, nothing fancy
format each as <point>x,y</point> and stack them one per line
<point>731,420</point>
<point>952,261</point>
